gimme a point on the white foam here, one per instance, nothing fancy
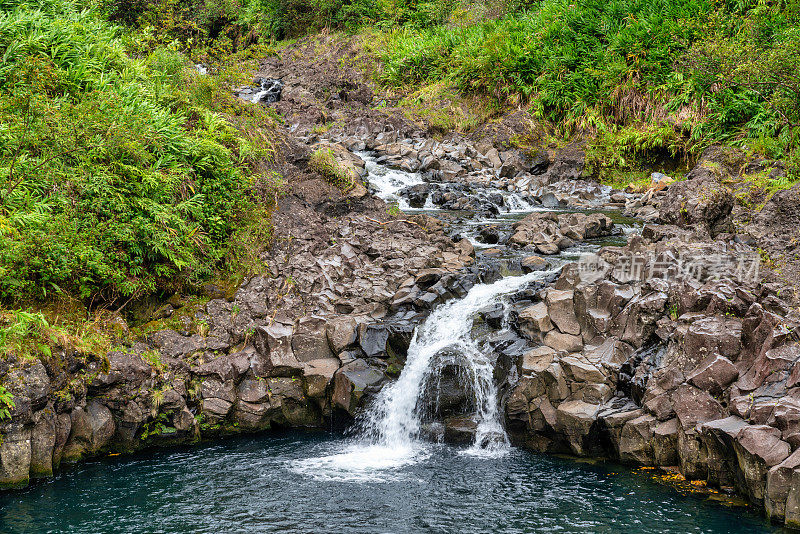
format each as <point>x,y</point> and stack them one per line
<point>362,462</point>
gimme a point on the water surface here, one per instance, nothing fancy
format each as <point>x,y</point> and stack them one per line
<point>281,483</point>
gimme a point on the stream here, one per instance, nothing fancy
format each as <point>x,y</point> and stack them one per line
<point>391,472</point>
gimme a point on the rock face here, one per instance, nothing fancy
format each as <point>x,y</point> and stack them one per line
<point>667,352</point>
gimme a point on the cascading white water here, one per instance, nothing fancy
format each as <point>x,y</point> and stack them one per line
<point>390,438</point>
<point>395,417</point>
<point>387,182</point>
<point>515,203</point>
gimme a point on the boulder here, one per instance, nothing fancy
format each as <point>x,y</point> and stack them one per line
<point>351,382</point>
<point>665,443</point>
<point>534,322</point>
<point>758,448</point>
<point>636,441</point>
<point>561,310</point>
<point>373,339</point>
<point>714,374</point>
<point>718,437</point>
<point>317,374</point>
<point>779,485</point>
<point>536,360</point>
<point>310,341</point>
<point>580,369</point>
<point>274,344</point>
<point>342,333</point>
<point>43,442</point>
<point>534,263</point>
<point>218,398</point>
<point>563,342</point>
<point>15,456</point>
<point>91,430</point>
<point>576,420</point>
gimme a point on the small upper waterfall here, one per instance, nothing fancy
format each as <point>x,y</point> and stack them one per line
<point>387,181</point>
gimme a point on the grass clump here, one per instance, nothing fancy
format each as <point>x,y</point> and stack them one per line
<point>323,161</point>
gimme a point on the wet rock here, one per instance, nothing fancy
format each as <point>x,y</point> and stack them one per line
<point>15,456</point>
<point>352,382</point>
<point>534,322</point>
<point>416,195</point>
<point>493,315</point>
<point>460,430</point>
<point>489,235</point>
<point>373,339</point>
<point>263,90</point>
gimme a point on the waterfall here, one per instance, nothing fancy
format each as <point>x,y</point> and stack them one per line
<point>395,417</point>
<point>387,181</point>
<point>390,434</point>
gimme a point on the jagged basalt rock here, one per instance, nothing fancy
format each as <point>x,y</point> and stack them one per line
<point>665,367</point>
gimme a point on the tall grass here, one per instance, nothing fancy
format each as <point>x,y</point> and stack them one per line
<point>668,75</point>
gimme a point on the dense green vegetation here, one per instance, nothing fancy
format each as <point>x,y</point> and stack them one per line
<point>643,79</point>
<point>645,76</point>
<point>123,173</point>
<point>118,176</point>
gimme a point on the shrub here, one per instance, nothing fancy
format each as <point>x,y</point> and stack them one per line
<point>650,76</point>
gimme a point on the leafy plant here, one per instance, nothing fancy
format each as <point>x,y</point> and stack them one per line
<point>117,179</point>
<point>6,403</point>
